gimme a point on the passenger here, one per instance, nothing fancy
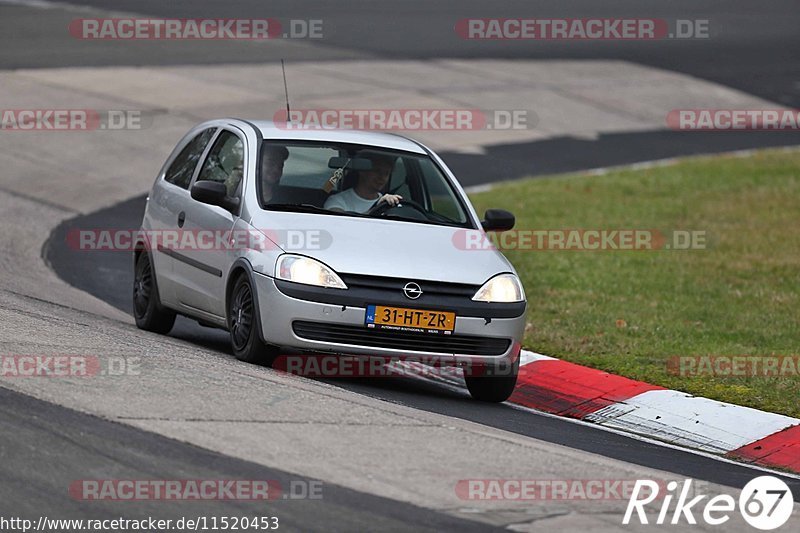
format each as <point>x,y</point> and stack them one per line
<point>367,191</point>
<point>272,160</point>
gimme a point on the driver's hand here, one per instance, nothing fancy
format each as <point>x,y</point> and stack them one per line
<point>391,199</point>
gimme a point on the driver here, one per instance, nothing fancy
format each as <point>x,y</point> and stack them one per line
<point>367,192</point>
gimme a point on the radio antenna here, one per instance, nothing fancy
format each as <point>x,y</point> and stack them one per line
<point>286,92</point>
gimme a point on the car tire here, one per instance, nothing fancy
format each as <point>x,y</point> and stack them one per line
<point>148,312</point>
<point>494,384</point>
<point>244,325</point>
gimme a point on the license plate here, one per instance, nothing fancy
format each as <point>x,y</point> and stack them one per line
<point>405,319</point>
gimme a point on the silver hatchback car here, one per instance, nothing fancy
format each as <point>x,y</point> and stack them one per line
<point>328,242</point>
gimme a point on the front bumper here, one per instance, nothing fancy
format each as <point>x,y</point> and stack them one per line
<point>279,312</point>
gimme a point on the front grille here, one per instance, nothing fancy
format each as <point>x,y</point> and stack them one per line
<point>400,340</point>
<point>395,285</point>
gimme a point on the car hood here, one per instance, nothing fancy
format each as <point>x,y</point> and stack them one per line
<point>384,247</point>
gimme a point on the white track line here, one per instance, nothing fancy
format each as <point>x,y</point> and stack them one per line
<point>657,442</point>
<point>692,421</point>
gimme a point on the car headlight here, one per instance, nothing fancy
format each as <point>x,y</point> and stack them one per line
<point>502,288</point>
<point>307,271</point>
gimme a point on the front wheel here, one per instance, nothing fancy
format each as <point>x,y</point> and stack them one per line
<point>244,324</point>
<point>150,315</point>
<point>494,383</point>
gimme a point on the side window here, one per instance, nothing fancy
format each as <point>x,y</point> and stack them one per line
<point>225,162</point>
<point>443,198</point>
<point>399,179</point>
<point>180,171</point>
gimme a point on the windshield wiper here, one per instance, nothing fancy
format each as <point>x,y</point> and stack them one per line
<point>308,208</point>
<point>431,222</point>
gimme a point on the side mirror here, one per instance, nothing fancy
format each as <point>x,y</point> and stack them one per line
<point>497,220</point>
<point>213,193</point>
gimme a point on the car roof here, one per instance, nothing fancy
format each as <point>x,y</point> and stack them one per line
<point>269,130</point>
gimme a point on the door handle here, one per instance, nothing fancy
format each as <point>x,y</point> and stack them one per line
<point>181,219</point>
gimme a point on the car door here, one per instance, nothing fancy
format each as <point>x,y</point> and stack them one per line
<point>201,270</point>
<point>169,197</point>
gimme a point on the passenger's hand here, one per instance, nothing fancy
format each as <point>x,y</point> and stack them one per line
<point>391,199</point>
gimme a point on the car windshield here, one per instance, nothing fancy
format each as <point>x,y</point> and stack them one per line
<point>351,180</point>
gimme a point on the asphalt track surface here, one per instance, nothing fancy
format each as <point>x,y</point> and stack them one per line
<point>753,47</point>
<point>109,277</point>
<point>65,441</point>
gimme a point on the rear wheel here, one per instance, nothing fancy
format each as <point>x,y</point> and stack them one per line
<point>495,383</point>
<point>150,315</point>
<point>244,325</point>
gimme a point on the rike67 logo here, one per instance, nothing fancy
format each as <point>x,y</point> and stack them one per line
<point>766,503</point>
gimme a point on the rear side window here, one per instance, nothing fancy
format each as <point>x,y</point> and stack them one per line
<point>180,171</point>
<point>225,162</point>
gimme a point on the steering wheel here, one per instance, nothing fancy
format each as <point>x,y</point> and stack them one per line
<point>382,207</point>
